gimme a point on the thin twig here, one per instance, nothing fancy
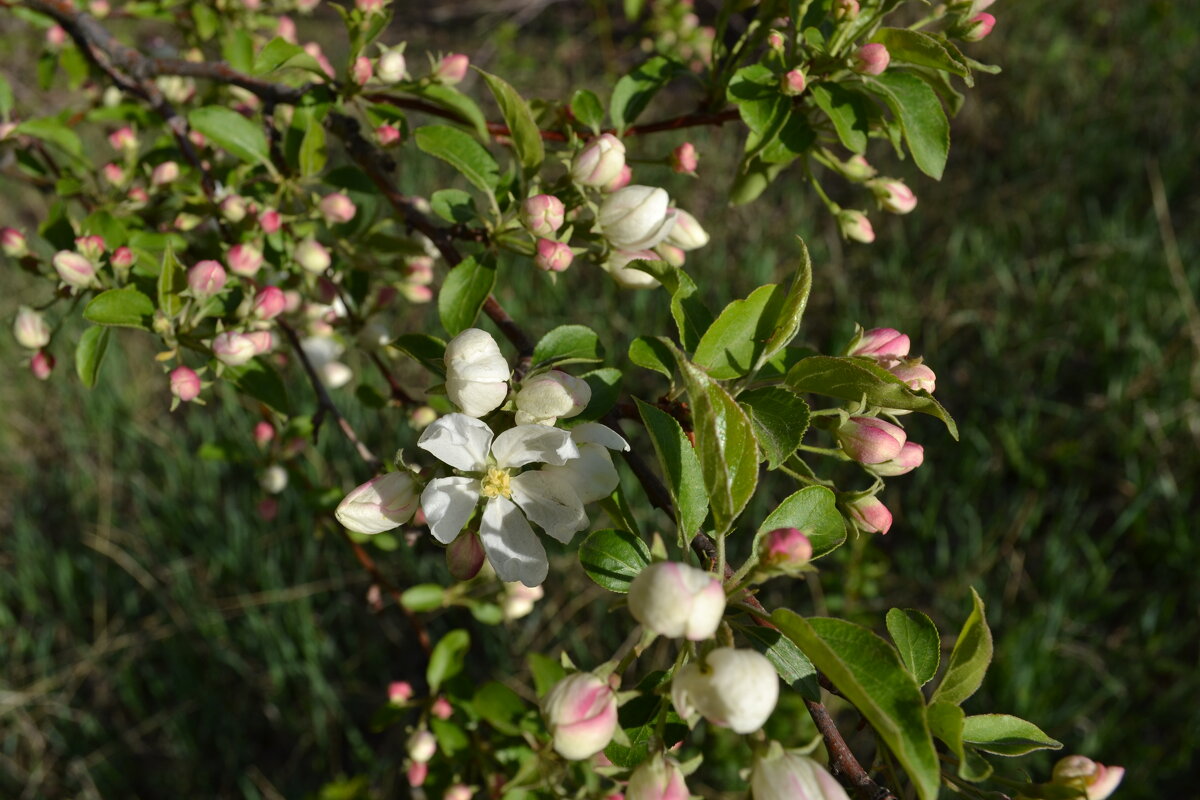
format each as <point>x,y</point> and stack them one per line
<point>842,763</point>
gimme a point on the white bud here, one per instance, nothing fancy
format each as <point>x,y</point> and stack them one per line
<point>735,689</point>
<point>687,233</point>
<point>30,329</point>
<point>625,276</point>
<point>274,480</point>
<point>233,349</point>
<point>636,217</point>
<point>476,372</point>
<point>581,713</point>
<point>600,162</point>
<point>391,67</point>
<point>674,599</point>
<point>379,505</point>
<point>780,775</point>
<point>545,398</point>
<point>421,746</point>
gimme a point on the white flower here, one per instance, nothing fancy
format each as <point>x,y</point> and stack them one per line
<point>546,397</point>
<point>592,475</point>
<point>636,217</point>
<point>736,689</point>
<point>382,503</point>
<point>476,372</point>
<point>547,499</point>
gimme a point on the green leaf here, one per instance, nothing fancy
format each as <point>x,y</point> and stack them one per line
<point>171,280</point>
<point>867,671</point>
<point>233,132</point>
<point>725,442</point>
<point>788,659</point>
<point>970,658</point>
<point>733,345</point>
<point>919,48</point>
<point>681,468</point>
<point>568,344</point>
<point>453,205</point>
<point>917,639</point>
<point>426,350</point>
<point>586,107</point>
<point>788,322</point>
<point>634,91</point>
<point>780,419</point>
<point>127,308</point>
<point>53,131</point>
<point>853,379</point>
<point>1004,735</point>
<point>793,140</point>
<point>423,597</point>
<point>946,723</point>
<point>311,156</point>
<point>605,384</point>
<point>260,380</point>
<point>463,293</point>
<point>922,120</point>
<point>447,657</point>
<point>500,707</point>
<point>613,558</point>
<point>523,128</point>
<point>452,99</point>
<point>813,510</point>
<point>238,49</point>
<point>279,54</point>
<point>89,354</point>
<point>107,227</point>
<point>691,316</point>
<point>761,105</point>
<point>753,178</point>
<point>451,739</point>
<point>462,152</point>
<point>650,353</point>
<point>849,112</point>
<point>546,672</point>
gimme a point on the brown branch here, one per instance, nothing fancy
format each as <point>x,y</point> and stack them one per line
<point>842,763</point>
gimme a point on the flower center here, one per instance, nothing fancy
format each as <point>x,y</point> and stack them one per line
<point>496,483</point>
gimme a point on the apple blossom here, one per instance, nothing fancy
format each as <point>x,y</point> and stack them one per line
<point>233,208</point>
<point>264,433</point>
<point>391,66</point>
<point>274,479</point>
<point>269,302</point>
<point>893,196</point>
<point>581,714</point>
<point>793,82</point>
<point>381,504</point>
<point>871,59</point>
<point>673,599</point>
<point>599,162</point>
<point>41,365</point>
<point>785,548</point>
<point>627,277</point>
<point>244,260</point>
<point>90,247</point>
<point>75,270</point>
<point>780,775</point>
<point>337,208</point>
<point>735,689</point>
<point>452,69</point>
<point>30,329</point>
<point>553,256</point>
<point>492,464</point>
<point>543,214</point>
<point>465,556</point>
<point>185,384</point>
<point>1086,775</point>
<point>399,692</point>
<point>12,242</point>
<point>269,220</point>
<point>869,515</point>
<point>855,225</point>
<point>206,278</point>
<point>687,233</point>
<point>546,397</point>
<point>233,349</point>
<point>387,135</point>
<point>882,344</point>
<point>164,173</point>
<point>684,159</point>
<point>592,475</point>
<point>620,182</point>
<point>138,197</point>
<point>657,779</point>
<point>869,440</point>
<point>636,217</point>
<point>421,746</point>
<point>911,456</point>
<point>520,599</point>
<point>441,708</point>
<point>312,256</point>
<point>476,372</point>
<point>978,28</point>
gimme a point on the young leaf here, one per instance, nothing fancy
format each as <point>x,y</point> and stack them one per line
<point>849,112</point>
<point>312,155</point>
<point>735,342</point>
<point>650,353</point>
<point>780,419</point>
<point>426,350</point>
<point>126,307</point>
<point>452,99</point>
<point>446,660</point>
<point>462,152</point>
<point>1004,735</point>
<point>464,291</point>
<point>946,723</point>
<point>921,49</point>
<point>259,380</point>
<point>922,120</point>
<point>764,109</point>
<point>634,91</point>
<point>970,658</point>
<point>171,280</point>
<point>280,54</point>
<point>233,132</point>
<point>523,129</point>
<point>692,317</point>
<point>681,468</point>
<point>917,639</point>
<point>586,107</point>
<point>787,323</point>
<point>788,659</point>
<point>613,558</point>
<point>568,344</point>
<point>89,354</point>
<point>813,510</point>
<point>453,205</point>
<point>605,384</point>
<point>867,671</point>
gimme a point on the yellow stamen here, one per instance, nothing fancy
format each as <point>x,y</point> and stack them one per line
<point>496,483</point>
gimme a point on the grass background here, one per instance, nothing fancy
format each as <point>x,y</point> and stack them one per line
<point>157,637</point>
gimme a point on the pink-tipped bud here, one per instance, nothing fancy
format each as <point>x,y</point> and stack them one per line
<point>794,82</point>
<point>269,302</point>
<point>657,779</point>
<point>884,344</point>
<point>893,195</point>
<point>870,515</point>
<point>75,270</point>
<point>600,162</point>
<point>233,208</point>
<point>684,159</point>
<point>674,599</point>
<point>391,67</point>
<point>269,220</point>
<point>581,714</point>
<point>285,28</point>
<point>452,69</point>
<point>245,260</point>
<point>233,349</point>
<point>543,214</point>
<point>620,182</point>
<point>369,6</point>
<point>441,708</point>
<point>911,456</point>
<point>263,341</point>
<point>871,59</point>
<point>90,247</point>
<point>123,139</point>
<point>786,548</point>
<point>399,692</point>
<point>869,440</point>
<point>1096,780</point>
<point>419,270</point>
<point>775,40</point>
<point>6,130</point>
<point>206,278</point>
<point>113,174</point>
<point>197,138</point>
<point>675,256</point>
<point>122,258</point>
<point>185,384</point>
<point>553,256</point>
<point>337,208</point>
<point>855,225</point>
<point>918,376</point>
<point>264,433</point>
<point>312,256</point>
<point>138,196</point>
<point>978,28</point>
<point>164,173</point>
<point>415,293</point>
<point>845,9</point>
<point>362,71</point>
<point>416,773</point>
<point>56,37</point>
<point>421,417</point>
<point>387,135</point>
<point>99,8</point>
<point>41,365</point>
<point>465,556</point>
<point>459,791</point>
<point>13,243</point>
<point>30,329</point>
<point>856,168</point>
<point>421,746</point>
<point>314,50</point>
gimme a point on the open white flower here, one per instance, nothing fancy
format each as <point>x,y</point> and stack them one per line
<point>492,464</point>
<point>592,475</point>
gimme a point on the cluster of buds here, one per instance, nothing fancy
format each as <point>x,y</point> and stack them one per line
<point>33,333</point>
<point>416,284</point>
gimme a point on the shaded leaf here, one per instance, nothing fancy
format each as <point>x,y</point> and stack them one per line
<point>917,639</point>
<point>568,344</point>
<point>734,343</point>
<point>634,91</point>
<point>463,293</point>
<point>462,152</point>
<point>922,120</point>
<point>89,354</point>
<point>970,658</point>
<point>813,510</point>
<point>446,661</point>
<point>523,129</point>
<point>125,307</point>
<point>613,558</point>
<point>788,659</point>
<point>780,419</point>
<point>260,380</point>
<point>680,466</point>
<point>848,110</point>
<point>1005,735</point>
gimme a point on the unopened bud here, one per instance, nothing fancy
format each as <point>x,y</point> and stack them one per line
<point>312,256</point>
<point>684,159</point>
<point>56,36</point>
<point>978,28</point>
<point>421,746</point>
<point>458,791</point>
<point>1095,779</point>
<point>442,709</point>
<point>599,162</point>
<point>419,270</point>
<point>620,182</point>
<point>416,293</point>
<point>519,599</point>
<point>465,556</point>
<point>12,242</point>
<point>657,779</point>
<point>285,28</point>
<point>546,397</point>
<point>30,329</point>
<point>452,69</point>
<point>893,195</point>
<point>273,480</point>
<point>399,692</point>
<point>911,456</point>
<point>264,433</point>
<point>269,220</point>
<point>780,775</point>
<point>869,515</point>
<point>871,59</point>
<point>138,196</point>
<point>233,349</point>
<point>245,260</point>
<point>674,599</point>
<point>381,504</point>
<point>75,270</point>
<point>735,689</point>
<point>207,278</point>
<point>627,277</point>
<point>90,247</point>
<point>164,173</point>
<point>337,208</point>
<point>687,234</point>
<point>416,773</point>
<point>793,82</point>
<point>41,365</point>
<point>391,67</point>
<point>421,417</point>
<point>269,302</point>
<point>884,344</point>
<point>123,139</point>
<point>543,214</point>
<point>369,6</point>
<point>675,256</point>
<point>387,135</point>
<point>775,40</point>
<point>476,372</point>
<point>918,376</point>
<point>185,222</point>
<point>113,174</point>
<point>185,384</point>
<point>581,714</point>
<point>845,9</point>
<point>553,256</point>
<point>233,208</point>
<point>855,225</point>
<point>869,440</point>
<point>785,548</point>
<point>856,168</point>
<point>637,217</point>
<point>122,259</point>
<point>263,341</point>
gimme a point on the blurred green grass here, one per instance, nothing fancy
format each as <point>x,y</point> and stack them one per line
<point>152,623</point>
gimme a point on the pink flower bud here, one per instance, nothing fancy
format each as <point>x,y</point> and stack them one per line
<point>369,6</point>
<point>362,71</point>
<point>845,9</point>
<point>337,208</point>
<point>12,242</point>
<point>416,773</point>
<point>399,692</point>
<point>620,182</point>
<point>113,174</point>
<point>553,256</point>
<point>543,214</point>
<point>6,129</point>
<point>421,417</point>
<point>185,384</point>
<point>441,708</point>
<point>56,37</point>
<point>675,256</point>
<point>793,82</point>
<point>387,135</point>
<point>674,599</point>
<point>263,341</point>
<point>75,270</point>
<point>978,28</point>
<point>244,260</point>
<point>233,349</point>
<point>233,208</point>
<point>421,746</point>
<point>785,547</point>
<point>138,197</point>
<point>269,302</point>
<point>458,792</point>
<point>164,173</point>
<point>419,270</point>
<point>381,504</point>
<point>581,714</point>
<point>122,258</point>
<point>869,515</point>
<point>893,195</point>
<point>452,69</point>
<point>1091,777</point>
<point>415,293</point>
<point>186,222</point>
<point>41,365</point>
<point>197,138</point>
<point>90,247</point>
<point>917,375</point>
<point>99,8</point>
<point>684,159</point>
<point>884,344</point>
<point>520,599</point>
<point>775,40</point>
<point>855,225</point>
<point>657,779</point>
<point>30,329</point>
<point>314,50</point>
<point>599,162</point>
<point>911,456</point>
<point>871,59</point>
<point>285,29</point>
<point>869,440</point>
<point>264,432</point>
<point>206,278</point>
<point>123,139</point>
<point>392,67</point>
<point>312,256</point>
<point>269,220</point>
<point>465,556</point>
<point>780,775</point>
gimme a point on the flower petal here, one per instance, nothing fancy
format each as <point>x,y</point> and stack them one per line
<point>592,475</point>
<point>458,440</point>
<point>595,433</point>
<point>448,503</point>
<point>476,398</point>
<point>526,444</point>
<point>511,545</point>
<point>550,502</point>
